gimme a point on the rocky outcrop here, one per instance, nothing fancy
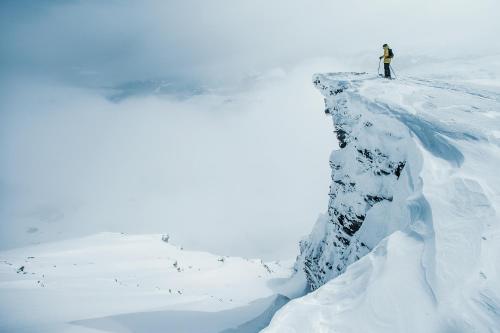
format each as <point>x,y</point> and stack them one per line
<point>367,173</point>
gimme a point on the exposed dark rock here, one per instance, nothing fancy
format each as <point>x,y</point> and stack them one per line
<point>335,244</point>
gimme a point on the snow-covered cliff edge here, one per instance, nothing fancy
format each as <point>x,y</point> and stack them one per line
<point>411,240</point>
<point>371,180</point>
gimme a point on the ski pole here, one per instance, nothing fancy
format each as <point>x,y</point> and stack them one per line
<point>378,70</point>
<point>392,69</point>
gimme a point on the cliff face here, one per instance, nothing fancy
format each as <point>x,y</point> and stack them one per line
<point>368,183</point>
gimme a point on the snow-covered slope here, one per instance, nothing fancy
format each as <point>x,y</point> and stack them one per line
<point>430,228</point>
<point>131,283</point>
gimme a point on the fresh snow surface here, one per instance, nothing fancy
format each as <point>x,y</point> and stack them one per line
<point>113,282</point>
<point>440,270</point>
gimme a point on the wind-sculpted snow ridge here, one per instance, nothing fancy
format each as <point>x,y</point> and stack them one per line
<point>411,241</point>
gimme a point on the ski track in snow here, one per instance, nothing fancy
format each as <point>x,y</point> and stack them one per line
<point>442,272</point>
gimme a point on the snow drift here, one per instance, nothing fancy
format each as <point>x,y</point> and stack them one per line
<point>410,242</point>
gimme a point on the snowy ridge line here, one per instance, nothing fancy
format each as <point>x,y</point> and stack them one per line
<point>457,88</point>
<point>373,175</point>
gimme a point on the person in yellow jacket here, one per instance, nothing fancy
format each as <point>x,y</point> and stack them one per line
<point>387,60</point>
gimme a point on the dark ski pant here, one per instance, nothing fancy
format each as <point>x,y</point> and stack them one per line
<point>387,70</point>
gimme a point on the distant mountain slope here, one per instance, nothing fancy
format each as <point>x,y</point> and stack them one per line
<point>432,233</point>
<point>45,287</point>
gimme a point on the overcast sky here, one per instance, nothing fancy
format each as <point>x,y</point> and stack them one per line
<point>193,39</point>
<point>238,168</point>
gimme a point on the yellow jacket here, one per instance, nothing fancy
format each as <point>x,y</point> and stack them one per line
<point>387,60</point>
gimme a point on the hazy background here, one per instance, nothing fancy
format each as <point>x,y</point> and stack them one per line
<point>193,118</point>
<point>124,40</point>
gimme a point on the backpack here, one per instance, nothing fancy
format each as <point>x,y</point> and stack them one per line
<point>391,54</point>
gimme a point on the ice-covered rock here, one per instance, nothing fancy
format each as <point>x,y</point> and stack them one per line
<point>369,182</point>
